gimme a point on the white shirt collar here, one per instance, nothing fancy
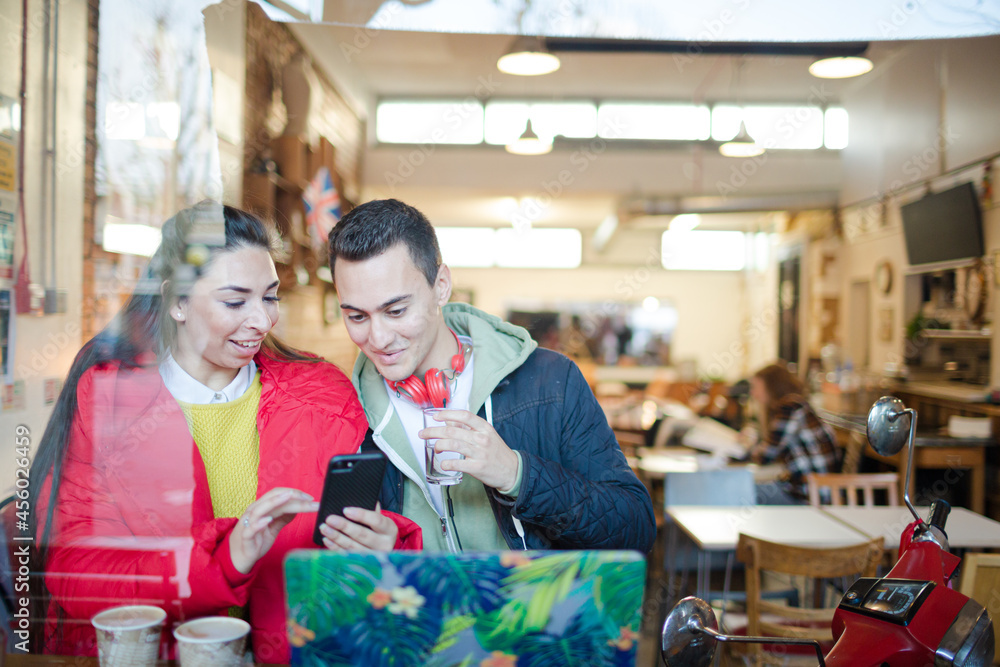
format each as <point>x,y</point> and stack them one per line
<point>185,388</point>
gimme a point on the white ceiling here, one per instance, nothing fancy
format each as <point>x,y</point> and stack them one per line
<point>462,185</point>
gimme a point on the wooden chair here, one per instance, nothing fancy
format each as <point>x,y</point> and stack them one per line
<point>843,486</point>
<point>981,582</point>
<point>771,619</point>
<point>853,444</point>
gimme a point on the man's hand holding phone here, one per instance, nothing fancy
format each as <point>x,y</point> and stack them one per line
<point>359,530</point>
<point>350,518</point>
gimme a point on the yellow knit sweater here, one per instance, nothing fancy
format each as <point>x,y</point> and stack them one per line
<point>227,437</point>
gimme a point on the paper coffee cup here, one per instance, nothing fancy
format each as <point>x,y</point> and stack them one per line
<point>213,641</point>
<point>128,636</point>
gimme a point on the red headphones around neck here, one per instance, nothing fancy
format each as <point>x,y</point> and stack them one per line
<point>434,391</point>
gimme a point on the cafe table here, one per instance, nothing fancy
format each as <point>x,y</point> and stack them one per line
<point>717,529</point>
<point>965,528</point>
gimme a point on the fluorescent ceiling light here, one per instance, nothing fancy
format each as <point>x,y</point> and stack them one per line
<point>467,246</point>
<point>500,123</point>
<point>529,143</point>
<point>726,119</point>
<point>528,56</point>
<point>129,239</point>
<point>505,121</point>
<point>704,250</point>
<point>782,126</point>
<point>441,122</point>
<point>168,117</point>
<point>684,222</point>
<point>648,120</point>
<point>761,250</point>
<point>574,120</point>
<point>124,121</point>
<point>840,68</point>
<point>835,128</point>
<point>546,248</point>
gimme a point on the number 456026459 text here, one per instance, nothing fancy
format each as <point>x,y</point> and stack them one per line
<point>22,463</point>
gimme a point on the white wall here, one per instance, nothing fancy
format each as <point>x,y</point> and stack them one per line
<point>710,305</point>
<point>928,109</point>
<point>45,346</point>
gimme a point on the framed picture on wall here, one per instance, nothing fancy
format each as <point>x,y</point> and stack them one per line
<point>885,318</point>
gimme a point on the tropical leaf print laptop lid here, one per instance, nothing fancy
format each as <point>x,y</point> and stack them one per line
<point>506,609</point>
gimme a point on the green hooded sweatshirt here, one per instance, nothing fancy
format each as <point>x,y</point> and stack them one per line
<point>499,348</point>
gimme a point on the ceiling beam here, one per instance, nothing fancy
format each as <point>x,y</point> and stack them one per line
<point>597,45</point>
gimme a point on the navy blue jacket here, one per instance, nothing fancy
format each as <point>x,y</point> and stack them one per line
<point>577,490</point>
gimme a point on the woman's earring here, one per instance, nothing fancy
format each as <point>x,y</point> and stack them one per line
<point>179,315</point>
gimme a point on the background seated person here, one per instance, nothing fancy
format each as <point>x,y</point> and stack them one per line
<point>791,433</point>
<point>188,446</point>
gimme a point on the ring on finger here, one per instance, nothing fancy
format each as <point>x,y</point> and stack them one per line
<point>246,521</point>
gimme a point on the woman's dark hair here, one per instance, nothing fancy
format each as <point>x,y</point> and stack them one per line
<point>376,226</point>
<point>138,335</point>
<point>779,382</point>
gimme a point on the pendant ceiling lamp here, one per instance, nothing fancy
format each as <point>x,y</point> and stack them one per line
<point>840,68</point>
<point>529,143</point>
<point>742,145</point>
<point>528,56</point>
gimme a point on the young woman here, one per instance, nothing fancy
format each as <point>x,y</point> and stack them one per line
<point>791,433</point>
<point>188,448</point>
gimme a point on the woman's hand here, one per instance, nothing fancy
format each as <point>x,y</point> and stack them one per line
<point>366,530</point>
<point>258,528</point>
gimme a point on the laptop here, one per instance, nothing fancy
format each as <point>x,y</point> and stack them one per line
<point>499,609</point>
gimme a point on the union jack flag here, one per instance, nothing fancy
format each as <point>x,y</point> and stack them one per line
<point>322,206</point>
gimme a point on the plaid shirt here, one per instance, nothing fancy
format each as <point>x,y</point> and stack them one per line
<point>799,440</point>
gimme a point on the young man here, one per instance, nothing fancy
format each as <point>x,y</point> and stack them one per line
<point>542,468</point>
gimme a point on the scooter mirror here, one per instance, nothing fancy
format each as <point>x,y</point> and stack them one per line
<point>683,643</point>
<point>887,432</point>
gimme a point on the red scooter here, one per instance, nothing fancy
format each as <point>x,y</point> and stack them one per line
<point>909,618</point>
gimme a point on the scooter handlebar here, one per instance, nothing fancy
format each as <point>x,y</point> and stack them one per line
<point>940,510</point>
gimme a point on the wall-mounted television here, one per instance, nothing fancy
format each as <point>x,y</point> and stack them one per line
<point>943,227</point>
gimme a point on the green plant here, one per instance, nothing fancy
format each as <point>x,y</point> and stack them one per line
<point>915,326</point>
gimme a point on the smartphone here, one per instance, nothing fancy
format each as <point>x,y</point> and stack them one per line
<point>352,480</point>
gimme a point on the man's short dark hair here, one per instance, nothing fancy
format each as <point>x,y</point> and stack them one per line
<point>376,226</point>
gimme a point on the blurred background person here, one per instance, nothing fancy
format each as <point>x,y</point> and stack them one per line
<point>189,445</point>
<point>790,433</point>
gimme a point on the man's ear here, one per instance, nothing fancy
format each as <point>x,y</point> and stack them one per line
<point>442,285</point>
